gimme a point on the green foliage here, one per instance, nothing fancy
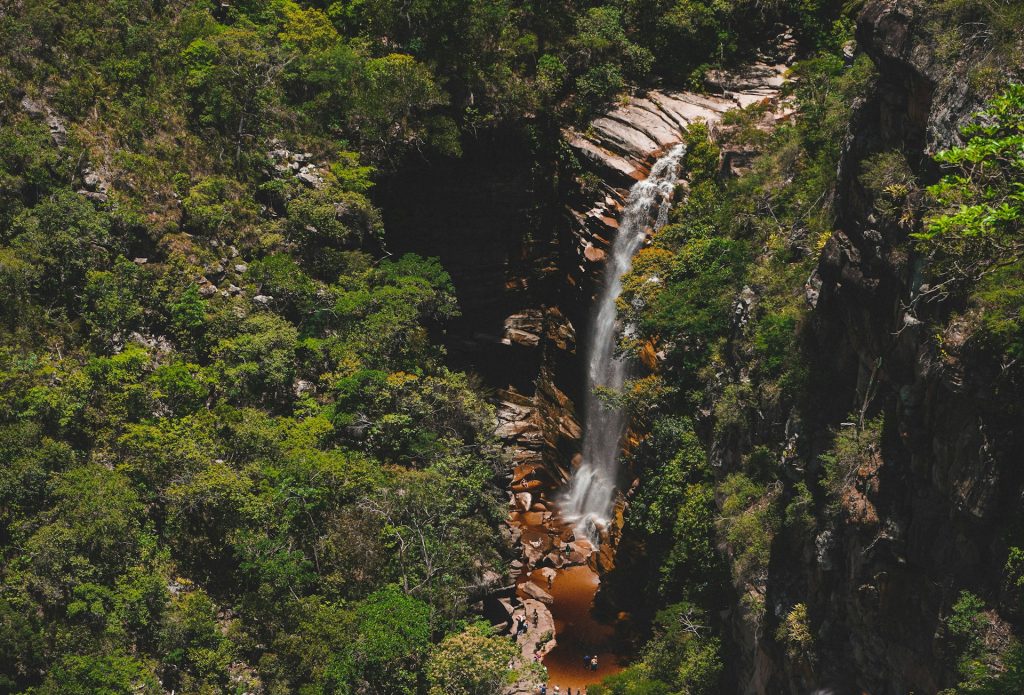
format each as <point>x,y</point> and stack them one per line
<point>749,520</point>
<point>978,209</point>
<point>701,162</point>
<point>795,632</point>
<point>114,674</point>
<point>1014,571</point>
<point>800,510</point>
<point>187,316</point>
<point>28,162</point>
<point>973,225</point>
<point>112,300</point>
<point>1000,296</point>
<point>215,204</point>
<point>62,238</point>
<point>256,364</point>
<point>675,456</point>
<point>888,177</point>
<point>673,510</point>
<point>853,448</point>
<point>1002,675</point>
<point>196,647</point>
<point>978,662</point>
<point>393,634</point>
<point>775,343</point>
<point>231,79</point>
<point>988,27</point>
<point>473,662</point>
<point>327,220</point>
<point>680,658</point>
<point>398,94</point>
<point>691,565</point>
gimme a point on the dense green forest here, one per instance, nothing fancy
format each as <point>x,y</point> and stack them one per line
<point>233,455</point>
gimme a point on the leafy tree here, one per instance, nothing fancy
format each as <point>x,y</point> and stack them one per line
<point>396,106</point>
<point>473,662</point>
<point>187,316</point>
<point>605,57</point>
<point>27,165</point>
<point>795,632</point>
<point>973,226</point>
<point>749,520</point>
<point>63,238</point>
<point>392,639</point>
<point>112,304</point>
<point>321,69</point>
<point>257,364</point>
<point>115,674</point>
<point>198,652</point>
<point>204,515</point>
<point>681,658</point>
<point>327,221</point>
<point>232,81</point>
<point>91,530</point>
<point>854,447</point>
<point>215,204</point>
<point>977,219</point>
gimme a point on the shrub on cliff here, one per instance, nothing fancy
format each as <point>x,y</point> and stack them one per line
<point>977,214</point>
<point>854,446</point>
<point>974,229</point>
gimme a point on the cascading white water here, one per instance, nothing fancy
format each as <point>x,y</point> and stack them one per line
<point>590,498</point>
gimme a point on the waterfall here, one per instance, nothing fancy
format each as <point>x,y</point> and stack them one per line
<point>589,501</point>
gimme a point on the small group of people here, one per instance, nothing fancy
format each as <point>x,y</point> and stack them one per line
<point>568,691</point>
<point>589,663</point>
<point>520,626</point>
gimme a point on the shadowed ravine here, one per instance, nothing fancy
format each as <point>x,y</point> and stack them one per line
<point>585,507</point>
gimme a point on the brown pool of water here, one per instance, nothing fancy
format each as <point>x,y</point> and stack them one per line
<point>578,633</point>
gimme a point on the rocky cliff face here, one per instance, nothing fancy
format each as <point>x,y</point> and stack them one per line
<point>922,520</point>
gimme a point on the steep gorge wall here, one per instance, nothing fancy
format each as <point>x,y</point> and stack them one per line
<point>926,518</point>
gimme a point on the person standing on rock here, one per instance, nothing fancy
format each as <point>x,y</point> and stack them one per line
<point>586,662</point>
<point>593,663</point>
<point>543,689</point>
